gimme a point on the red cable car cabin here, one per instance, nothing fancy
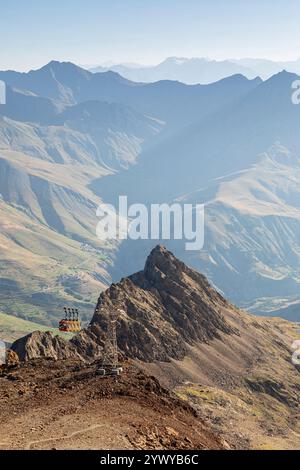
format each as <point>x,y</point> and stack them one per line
<point>71,322</point>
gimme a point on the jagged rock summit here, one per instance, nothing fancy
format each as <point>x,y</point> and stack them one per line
<point>167,306</point>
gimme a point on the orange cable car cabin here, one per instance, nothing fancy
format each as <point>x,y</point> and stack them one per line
<point>71,322</point>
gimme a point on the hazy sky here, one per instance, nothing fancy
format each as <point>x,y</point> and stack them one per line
<point>33,32</point>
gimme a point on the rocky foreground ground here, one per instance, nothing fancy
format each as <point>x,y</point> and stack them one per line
<point>66,405</point>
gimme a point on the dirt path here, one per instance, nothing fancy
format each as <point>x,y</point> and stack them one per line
<point>31,445</point>
<point>48,405</point>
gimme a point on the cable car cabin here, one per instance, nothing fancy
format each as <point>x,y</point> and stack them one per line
<point>71,323</point>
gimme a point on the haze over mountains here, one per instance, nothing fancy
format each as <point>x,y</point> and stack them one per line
<point>70,139</point>
<point>201,70</point>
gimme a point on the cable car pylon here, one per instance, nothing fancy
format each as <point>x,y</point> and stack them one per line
<point>110,360</point>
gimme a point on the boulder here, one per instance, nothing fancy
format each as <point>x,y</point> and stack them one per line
<point>38,344</point>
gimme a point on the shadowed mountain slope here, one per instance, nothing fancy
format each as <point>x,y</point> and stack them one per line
<point>173,102</point>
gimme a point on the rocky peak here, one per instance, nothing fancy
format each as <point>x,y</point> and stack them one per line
<point>167,306</point>
<point>161,264</point>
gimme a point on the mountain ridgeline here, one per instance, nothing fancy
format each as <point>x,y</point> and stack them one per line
<point>71,139</point>
<point>200,70</point>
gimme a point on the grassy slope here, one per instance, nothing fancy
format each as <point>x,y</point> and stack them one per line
<point>44,269</point>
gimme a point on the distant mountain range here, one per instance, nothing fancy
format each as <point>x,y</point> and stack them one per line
<point>70,139</point>
<point>201,70</point>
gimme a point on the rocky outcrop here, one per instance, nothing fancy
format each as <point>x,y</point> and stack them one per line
<point>46,345</point>
<point>89,342</point>
<point>166,307</point>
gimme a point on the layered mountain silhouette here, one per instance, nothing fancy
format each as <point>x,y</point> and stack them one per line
<point>200,70</point>
<point>242,163</point>
<point>71,139</point>
<point>66,84</point>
